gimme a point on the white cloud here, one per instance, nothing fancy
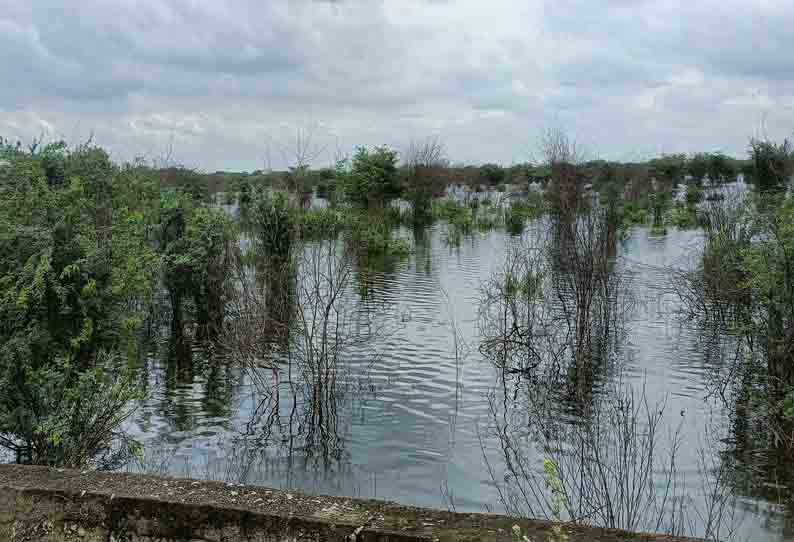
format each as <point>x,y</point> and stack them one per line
<point>219,80</point>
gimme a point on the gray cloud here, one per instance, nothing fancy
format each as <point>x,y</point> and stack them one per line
<point>227,83</point>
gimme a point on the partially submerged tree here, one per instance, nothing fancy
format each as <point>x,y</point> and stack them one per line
<point>371,181</point>
<point>72,283</point>
<point>425,163</point>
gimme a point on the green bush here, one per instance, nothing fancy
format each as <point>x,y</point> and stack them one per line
<point>377,239</point>
<point>488,218</point>
<point>273,220</point>
<point>694,195</point>
<point>698,167</point>
<point>324,223</point>
<point>682,216</point>
<point>372,178</point>
<point>721,168</point>
<point>76,279</point>
<point>448,208</point>
<point>492,174</point>
<point>772,164</point>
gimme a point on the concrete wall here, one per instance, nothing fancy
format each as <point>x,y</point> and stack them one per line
<point>41,504</point>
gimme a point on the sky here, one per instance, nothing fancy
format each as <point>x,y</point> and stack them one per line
<point>231,85</point>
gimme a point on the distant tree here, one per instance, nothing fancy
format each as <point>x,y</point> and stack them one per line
<point>492,174</point>
<point>698,167</point>
<point>671,168</point>
<point>721,168</point>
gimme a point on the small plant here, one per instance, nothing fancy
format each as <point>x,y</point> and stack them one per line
<point>682,216</point>
<point>558,501</point>
<point>517,534</point>
<point>514,221</point>
<point>520,211</point>
<point>487,218</point>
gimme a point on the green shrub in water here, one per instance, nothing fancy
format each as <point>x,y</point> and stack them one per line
<point>377,239</point>
<point>323,223</point>
<point>448,208</point>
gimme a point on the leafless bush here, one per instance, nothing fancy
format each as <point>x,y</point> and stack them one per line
<point>557,299</point>
<point>520,329</point>
<point>426,163</point>
<point>557,147</point>
<point>300,362</point>
<point>591,293</point>
<point>608,469</point>
<point>564,156</point>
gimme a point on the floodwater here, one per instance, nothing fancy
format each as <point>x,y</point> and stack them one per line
<point>417,411</point>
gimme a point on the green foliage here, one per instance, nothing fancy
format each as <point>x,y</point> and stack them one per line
<point>488,217</point>
<point>698,167</point>
<point>721,168</point>
<point>788,406</point>
<point>517,534</point>
<point>527,208</point>
<point>768,265</point>
<point>659,204</point>
<point>187,181</point>
<point>273,220</point>
<point>694,195</point>
<point>558,499</point>
<point>324,223</point>
<point>682,217</point>
<point>515,219</point>
<point>377,239</point>
<point>449,208</point>
<point>74,284</point>
<point>670,167</point>
<point>205,263</point>
<point>772,164</point>
<point>492,174</point>
<point>397,216</point>
<point>634,213</point>
<point>372,178</point>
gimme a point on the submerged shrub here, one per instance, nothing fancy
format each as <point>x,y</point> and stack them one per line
<point>682,216</point>
<point>488,218</point>
<point>772,164</point>
<point>377,239</point>
<point>274,220</point>
<point>694,194</point>
<point>514,220</point>
<point>448,208</point>
<point>372,178</point>
<point>521,210</point>
<point>323,223</point>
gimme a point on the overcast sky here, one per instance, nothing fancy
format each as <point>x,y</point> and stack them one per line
<point>225,85</point>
